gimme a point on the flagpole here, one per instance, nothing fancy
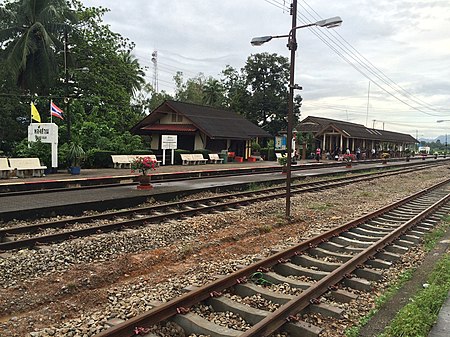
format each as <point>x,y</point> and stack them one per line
<point>51,116</point>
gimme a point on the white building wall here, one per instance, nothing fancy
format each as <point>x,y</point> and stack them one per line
<point>198,143</point>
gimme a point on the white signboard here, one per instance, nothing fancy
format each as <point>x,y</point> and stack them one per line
<point>168,142</point>
<point>45,132</point>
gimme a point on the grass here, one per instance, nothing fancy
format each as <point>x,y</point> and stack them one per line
<point>380,301</point>
<point>417,317</point>
<point>431,239</point>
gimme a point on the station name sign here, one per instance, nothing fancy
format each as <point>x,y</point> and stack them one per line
<point>45,132</point>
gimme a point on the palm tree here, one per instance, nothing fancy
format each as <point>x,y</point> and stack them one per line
<point>135,80</point>
<point>213,93</point>
<point>30,33</point>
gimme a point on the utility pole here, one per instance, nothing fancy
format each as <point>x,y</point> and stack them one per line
<point>66,84</point>
<point>292,45</point>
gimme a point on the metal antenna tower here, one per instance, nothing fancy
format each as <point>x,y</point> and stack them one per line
<point>155,70</point>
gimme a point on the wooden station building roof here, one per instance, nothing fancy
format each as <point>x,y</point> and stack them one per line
<point>318,126</point>
<point>216,123</point>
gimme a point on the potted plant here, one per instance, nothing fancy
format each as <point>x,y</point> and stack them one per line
<point>349,158</point>
<point>256,149</point>
<point>75,157</point>
<point>384,157</point>
<point>143,165</point>
<point>283,162</point>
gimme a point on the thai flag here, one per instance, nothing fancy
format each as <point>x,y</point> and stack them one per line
<point>55,111</point>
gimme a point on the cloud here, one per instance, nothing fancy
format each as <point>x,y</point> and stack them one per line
<point>404,41</point>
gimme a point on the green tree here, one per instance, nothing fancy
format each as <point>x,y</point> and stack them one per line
<point>30,34</point>
<point>135,74</point>
<point>213,93</point>
<point>14,115</point>
<point>266,77</point>
<point>191,90</point>
<point>148,99</point>
<point>236,94</point>
<point>104,95</point>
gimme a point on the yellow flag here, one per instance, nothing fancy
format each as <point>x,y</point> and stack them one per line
<point>35,113</point>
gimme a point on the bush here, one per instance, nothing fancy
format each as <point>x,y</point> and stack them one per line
<point>141,151</point>
<point>99,158</point>
<point>37,149</point>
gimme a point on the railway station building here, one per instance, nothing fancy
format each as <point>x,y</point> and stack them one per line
<point>334,137</point>
<point>199,127</point>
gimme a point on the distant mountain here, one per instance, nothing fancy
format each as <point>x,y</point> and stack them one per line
<point>434,140</point>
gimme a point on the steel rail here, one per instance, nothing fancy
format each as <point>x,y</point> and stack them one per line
<point>278,318</point>
<point>147,209</point>
<point>219,204</point>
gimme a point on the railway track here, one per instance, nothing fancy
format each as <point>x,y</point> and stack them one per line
<point>334,265</point>
<point>65,229</point>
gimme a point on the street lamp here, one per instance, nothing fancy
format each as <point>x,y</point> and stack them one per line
<point>292,46</point>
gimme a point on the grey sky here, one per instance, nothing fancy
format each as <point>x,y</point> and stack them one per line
<point>402,46</point>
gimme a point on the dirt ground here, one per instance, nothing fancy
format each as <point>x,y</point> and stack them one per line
<point>49,300</point>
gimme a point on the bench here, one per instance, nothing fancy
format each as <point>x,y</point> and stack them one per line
<point>187,159</point>
<point>5,169</point>
<point>198,157</point>
<point>124,160</point>
<point>27,167</point>
<point>215,159</point>
<point>121,160</point>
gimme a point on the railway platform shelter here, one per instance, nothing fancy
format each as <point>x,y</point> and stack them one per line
<point>335,136</point>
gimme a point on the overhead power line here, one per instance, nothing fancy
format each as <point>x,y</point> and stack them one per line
<point>359,63</point>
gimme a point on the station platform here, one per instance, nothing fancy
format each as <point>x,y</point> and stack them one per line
<point>125,194</point>
<point>442,326</point>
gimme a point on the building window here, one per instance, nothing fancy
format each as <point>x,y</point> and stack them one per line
<point>176,117</point>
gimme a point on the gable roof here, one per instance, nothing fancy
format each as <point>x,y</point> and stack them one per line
<point>319,125</point>
<point>214,122</point>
